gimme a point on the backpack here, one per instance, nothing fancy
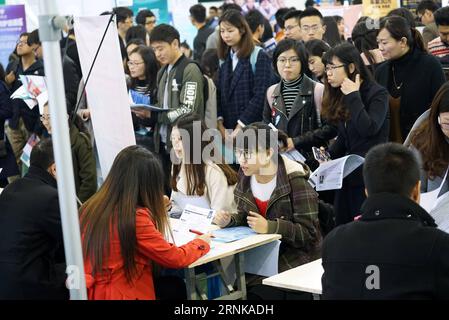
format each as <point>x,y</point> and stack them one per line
<point>209,91</point>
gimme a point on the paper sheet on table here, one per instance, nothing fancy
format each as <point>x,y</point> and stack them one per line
<point>192,218</point>
<point>181,201</point>
<point>232,234</point>
<point>330,174</point>
<point>440,212</point>
<point>294,155</point>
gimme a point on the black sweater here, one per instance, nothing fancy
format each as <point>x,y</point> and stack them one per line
<point>421,76</point>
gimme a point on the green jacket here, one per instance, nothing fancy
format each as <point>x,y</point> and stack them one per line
<point>189,98</point>
<point>84,166</point>
<point>292,212</point>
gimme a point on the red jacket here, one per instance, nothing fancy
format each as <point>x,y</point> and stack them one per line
<point>151,247</point>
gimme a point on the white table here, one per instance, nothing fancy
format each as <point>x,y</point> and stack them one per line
<point>306,278</point>
<point>224,250</point>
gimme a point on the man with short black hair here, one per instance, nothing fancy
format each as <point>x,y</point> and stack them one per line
<point>32,263</point>
<point>292,29</point>
<point>124,18</point>
<point>147,19</point>
<point>439,47</point>
<point>198,19</point>
<point>425,11</point>
<point>393,250</point>
<point>256,22</point>
<point>177,98</point>
<point>311,24</point>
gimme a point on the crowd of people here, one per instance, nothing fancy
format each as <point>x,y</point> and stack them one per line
<point>294,84</point>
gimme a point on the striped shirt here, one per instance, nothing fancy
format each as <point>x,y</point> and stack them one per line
<point>438,48</point>
<point>290,90</point>
<point>141,87</point>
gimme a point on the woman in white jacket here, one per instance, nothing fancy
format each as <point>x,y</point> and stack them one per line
<point>195,175</point>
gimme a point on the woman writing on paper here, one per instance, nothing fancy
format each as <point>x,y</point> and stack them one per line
<point>123,231</point>
<point>194,173</point>
<point>431,139</point>
<point>273,196</point>
<point>358,107</point>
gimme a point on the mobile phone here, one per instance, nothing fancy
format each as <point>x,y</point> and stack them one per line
<point>321,154</point>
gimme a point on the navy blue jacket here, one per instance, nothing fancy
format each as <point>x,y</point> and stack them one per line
<point>241,94</point>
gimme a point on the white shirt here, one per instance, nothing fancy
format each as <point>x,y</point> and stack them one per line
<point>263,191</point>
<point>235,59</point>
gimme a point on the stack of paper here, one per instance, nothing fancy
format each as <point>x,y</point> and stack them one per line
<point>33,91</point>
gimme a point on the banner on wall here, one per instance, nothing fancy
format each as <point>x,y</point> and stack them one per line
<point>158,7</point>
<point>12,24</point>
<point>378,8</point>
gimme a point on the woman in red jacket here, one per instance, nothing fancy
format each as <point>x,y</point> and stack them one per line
<point>123,231</point>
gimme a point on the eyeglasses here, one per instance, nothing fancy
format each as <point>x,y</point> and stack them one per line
<point>21,42</point>
<point>313,28</point>
<point>291,60</point>
<point>332,68</point>
<point>134,64</point>
<point>246,154</point>
<point>45,117</point>
<point>151,22</point>
<point>290,28</point>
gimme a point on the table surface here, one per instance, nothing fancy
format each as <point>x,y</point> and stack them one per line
<point>223,250</point>
<point>305,278</point>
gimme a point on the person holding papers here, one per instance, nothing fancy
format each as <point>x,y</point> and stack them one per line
<point>123,231</point>
<point>431,139</point>
<point>198,176</point>
<point>273,196</point>
<point>359,107</point>
<point>294,104</point>
<point>143,69</point>
<point>394,250</point>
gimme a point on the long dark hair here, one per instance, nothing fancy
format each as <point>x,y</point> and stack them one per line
<point>364,40</point>
<point>333,108</point>
<point>399,28</point>
<point>332,35</point>
<point>113,208</point>
<point>430,140</point>
<point>151,69</point>
<point>246,45</point>
<point>300,50</point>
<point>196,172</point>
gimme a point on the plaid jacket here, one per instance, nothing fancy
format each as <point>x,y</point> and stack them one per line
<point>240,93</point>
<point>292,212</point>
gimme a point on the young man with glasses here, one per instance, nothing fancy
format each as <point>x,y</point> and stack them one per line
<point>311,24</point>
<point>291,25</point>
<point>147,19</point>
<point>425,11</point>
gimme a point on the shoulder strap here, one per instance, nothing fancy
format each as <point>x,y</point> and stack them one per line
<point>180,67</point>
<point>253,58</point>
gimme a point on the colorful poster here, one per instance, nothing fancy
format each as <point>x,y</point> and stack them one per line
<point>12,24</point>
<point>350,15</point>
<point>158,7</point>
<point>378,8</point>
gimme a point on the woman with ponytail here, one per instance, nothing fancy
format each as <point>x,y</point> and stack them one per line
<point>411,75</point>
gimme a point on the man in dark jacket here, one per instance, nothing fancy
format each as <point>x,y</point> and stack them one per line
<point>32,264</point>
<point>394,250</point>
<point>198,18</point>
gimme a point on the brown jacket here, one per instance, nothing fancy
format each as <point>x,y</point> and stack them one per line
<point>292,212</point>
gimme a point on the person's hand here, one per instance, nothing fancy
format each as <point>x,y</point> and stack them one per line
<point>10,78</point>
<point>205,237</point>
<point>167,203</point>
<point>236,131</point>
<point>85,114</point>
<point>142,113</point>
<point>222,218</point>
<point>349,86</point>
<point>290,144</point>
<point>257,222</point>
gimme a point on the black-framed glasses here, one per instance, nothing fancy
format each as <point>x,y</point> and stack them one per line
<point>246,154</point>
<point>291,60</point>
<point>331,68</point>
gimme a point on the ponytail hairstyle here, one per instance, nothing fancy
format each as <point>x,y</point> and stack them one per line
<point>399,28</point>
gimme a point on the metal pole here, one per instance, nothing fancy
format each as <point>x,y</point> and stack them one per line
<point>50,34</point>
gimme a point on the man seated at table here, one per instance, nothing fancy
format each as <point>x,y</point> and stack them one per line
<point>393,250</point>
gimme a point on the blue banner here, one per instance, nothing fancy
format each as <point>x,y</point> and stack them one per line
<point>158,7</point>
<point>12,24</point>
